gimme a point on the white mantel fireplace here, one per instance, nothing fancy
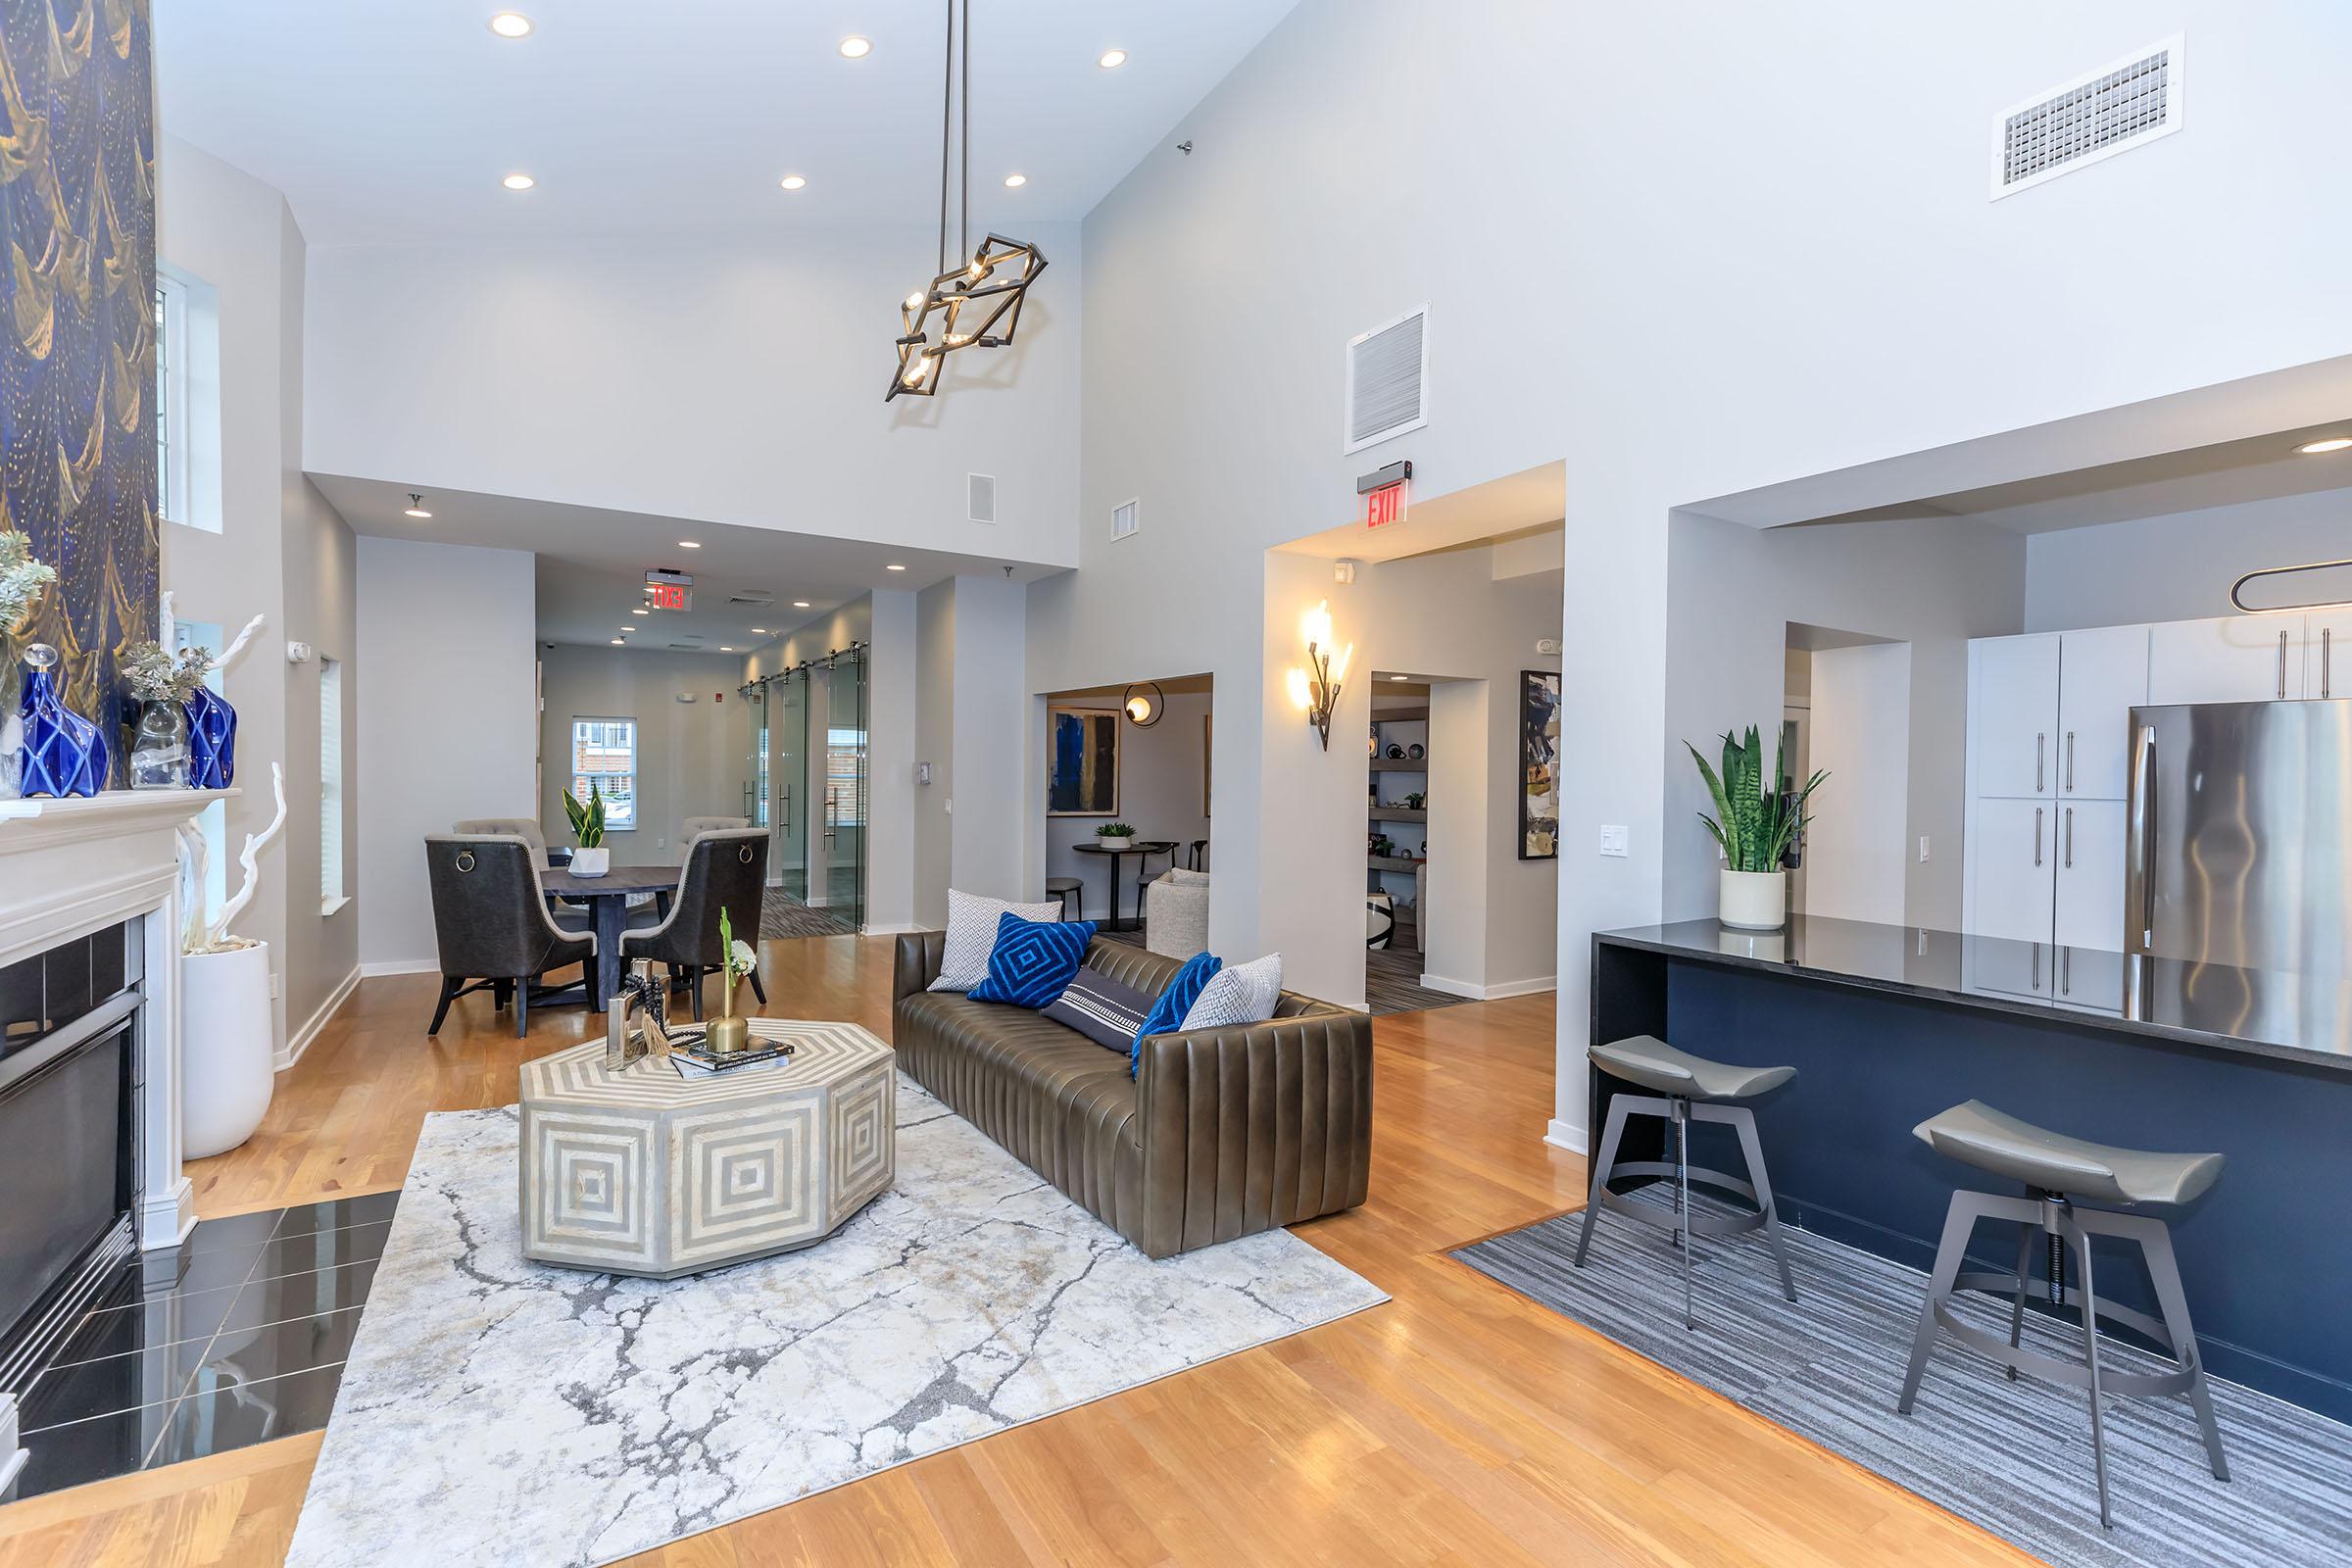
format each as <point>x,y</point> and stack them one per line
<point>72,867</point>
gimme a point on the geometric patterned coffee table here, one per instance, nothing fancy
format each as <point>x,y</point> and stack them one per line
<point>643,1172</point>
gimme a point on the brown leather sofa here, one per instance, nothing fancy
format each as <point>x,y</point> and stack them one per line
<point>1221,1132</point>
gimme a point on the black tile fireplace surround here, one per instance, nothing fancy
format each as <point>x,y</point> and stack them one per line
<point>69,1131</point>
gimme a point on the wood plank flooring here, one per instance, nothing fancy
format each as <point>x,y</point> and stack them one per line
<point>1460,1425</point>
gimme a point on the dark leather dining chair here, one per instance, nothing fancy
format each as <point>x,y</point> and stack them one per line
<point>725,870</point>
<point>491,923</point>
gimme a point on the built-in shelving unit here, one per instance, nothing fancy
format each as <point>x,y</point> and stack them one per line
<point>1400,720</point>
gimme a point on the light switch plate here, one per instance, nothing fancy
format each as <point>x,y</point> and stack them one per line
<point>1612,840</point>
<point>1922,849</point>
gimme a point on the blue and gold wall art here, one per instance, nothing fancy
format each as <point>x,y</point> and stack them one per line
<point>77,328</point>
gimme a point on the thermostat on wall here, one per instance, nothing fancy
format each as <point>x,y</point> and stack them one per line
<point>298,653</point>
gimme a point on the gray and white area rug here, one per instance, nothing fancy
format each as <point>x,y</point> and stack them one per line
<point>783,915</point>
<point>2013,1458</point>
<point>499,1411</point>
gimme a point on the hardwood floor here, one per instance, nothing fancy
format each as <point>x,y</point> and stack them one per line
<point>1461,1424</point>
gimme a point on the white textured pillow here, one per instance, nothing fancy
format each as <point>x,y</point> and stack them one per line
<point>972,935</point>
<point>1239,992</point>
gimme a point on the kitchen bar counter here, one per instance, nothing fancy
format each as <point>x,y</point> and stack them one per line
<point>1887,1025</point>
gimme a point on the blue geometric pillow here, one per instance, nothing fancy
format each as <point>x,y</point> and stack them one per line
<point>1033,961</point>
<point>1173,1004</point>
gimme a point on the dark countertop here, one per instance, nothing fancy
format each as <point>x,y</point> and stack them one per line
<point>2261,1013</point>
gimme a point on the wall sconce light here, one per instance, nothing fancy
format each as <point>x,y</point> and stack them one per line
<point>1316,689</point>
<point>1145,704</point>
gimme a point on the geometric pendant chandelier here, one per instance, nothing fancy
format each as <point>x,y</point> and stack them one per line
<point>976,305</point>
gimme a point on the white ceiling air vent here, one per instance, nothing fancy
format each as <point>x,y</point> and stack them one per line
<point>1388,380</point>
<point>983,497</point>
<point>756,598</point>
<point>1125,518</point>
<point>2097,115</point>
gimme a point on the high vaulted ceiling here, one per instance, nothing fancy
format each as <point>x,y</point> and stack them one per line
<point>395,120</point>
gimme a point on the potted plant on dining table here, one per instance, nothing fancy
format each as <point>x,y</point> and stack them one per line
<point>590,859</point>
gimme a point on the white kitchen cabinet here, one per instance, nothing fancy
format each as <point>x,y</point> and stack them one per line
<point>2090,979</point>
<point>2010,863</point>
<point>2089,846</point>
<point>2102,675</point>
<point>2013,695</point>
<point>2018,968</point>
<point>2328,654</point>
<point>2231,659</point>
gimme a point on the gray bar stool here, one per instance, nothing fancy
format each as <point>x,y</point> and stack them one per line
<point>1692,1089</point>
<point>2057,1170</point>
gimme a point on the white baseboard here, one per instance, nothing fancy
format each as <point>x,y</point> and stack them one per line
<point>1560,1135</point>
<point>167,1217</point>
<point>301,1040</point>
<point>895,929</point>
<point>12,1454</point>
<point>1493,993</point>
<point>391,966</point>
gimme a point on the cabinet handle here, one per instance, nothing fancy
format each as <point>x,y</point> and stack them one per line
<point>2283,666</point>
<point>2065,971</point>
<point>2070,838</point>
<point>2039,746</point>
<point>2070,761</point>
<point>2035,983</point>
<point>2037,835</point>
<point>2325,651</point>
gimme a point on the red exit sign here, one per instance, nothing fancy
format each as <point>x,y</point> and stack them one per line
<point>665,595</point>
<point>1384,506</point>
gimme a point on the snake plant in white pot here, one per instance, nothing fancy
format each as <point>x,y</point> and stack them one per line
<point>590,859</point>
<point>1754,826</point>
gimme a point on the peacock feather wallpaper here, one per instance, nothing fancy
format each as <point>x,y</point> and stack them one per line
<point>78,440</point>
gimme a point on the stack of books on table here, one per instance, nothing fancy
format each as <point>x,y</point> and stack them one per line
<point>689,1054</point>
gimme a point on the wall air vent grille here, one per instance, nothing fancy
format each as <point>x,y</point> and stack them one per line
<point>1125,518</point>
<point>983,497</point>
<point>1388,380</point>
<point>756,598</point>
<point>2097,115</point>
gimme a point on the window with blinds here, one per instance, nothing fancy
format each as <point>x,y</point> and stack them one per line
<point>330,785</point>
<point>604,760</point>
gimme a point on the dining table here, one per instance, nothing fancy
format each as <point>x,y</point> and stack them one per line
<point>607,898</point>
<point>1116,853</point>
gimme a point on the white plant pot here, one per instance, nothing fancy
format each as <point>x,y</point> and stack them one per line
<point>1753,901</point>
<point>1116,841</point>
<point>227,1058</point>
<point>591,863</point>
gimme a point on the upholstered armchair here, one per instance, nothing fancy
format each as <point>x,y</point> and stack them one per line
<point>694,827</point>
<point>520,827</point>
<point>491,922</point>
<point>1176,913</point>
<point>725,870</point>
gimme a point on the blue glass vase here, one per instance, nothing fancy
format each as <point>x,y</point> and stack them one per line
<point>211,741</point>
<point>64,754</point>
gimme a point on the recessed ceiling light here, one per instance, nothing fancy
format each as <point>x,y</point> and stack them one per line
<point>724,648</point>
<point>855,48</point>
<point>794,182</point>
<point>894,566</point>
<point>689,544</point>
<point>618,643</point>
<point>1015,181</point>
<point>1401,677</point>
<point>518,182</point>
<point>1112,59</point>
<point>511,25</point>
<point>415,507</point>
<point>800,604</point>
<point>2335,443</point>
<point>758,631</point>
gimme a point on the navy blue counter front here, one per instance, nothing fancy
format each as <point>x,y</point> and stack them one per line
<point>1887,1025</point>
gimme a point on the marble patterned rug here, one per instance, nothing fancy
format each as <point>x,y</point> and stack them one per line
<point>495,1410</point>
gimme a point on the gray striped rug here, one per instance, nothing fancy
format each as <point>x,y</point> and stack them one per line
<point>2013,1458</point>
<point>783,915</point>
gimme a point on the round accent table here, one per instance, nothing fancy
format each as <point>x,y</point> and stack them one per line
<point>643,1171</point>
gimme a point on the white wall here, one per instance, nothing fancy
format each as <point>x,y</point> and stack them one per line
<point>2179,567</point>
<point>993,844</point>
<point>732,381</point>
<point>1160,797</point>
<point>1729,310</point>
<point>693,759</point>
<point>449,727</point>
<point>1861,722</point>
<point>283,553</point>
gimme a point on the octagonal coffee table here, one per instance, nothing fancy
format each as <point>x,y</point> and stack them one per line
<point>642,1171</point>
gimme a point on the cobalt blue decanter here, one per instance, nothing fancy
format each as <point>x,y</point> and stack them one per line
<point>64,754</point>
<point>211,741</point>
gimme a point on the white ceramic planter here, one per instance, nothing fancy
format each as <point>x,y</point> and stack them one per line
<point>1116,841</point>
<point>228,1059</point>
<point>1753,901</point>
<point>591,863</point>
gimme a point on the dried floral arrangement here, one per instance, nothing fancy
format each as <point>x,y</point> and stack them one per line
<point>22,579</point>
<point>153,675</point>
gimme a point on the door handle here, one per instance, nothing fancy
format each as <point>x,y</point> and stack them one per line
<point>2039,745</point>
<point>2283,666</point>
<point>2070,761</point>
<point>2037,835</point>
<point>2070,838</point>
<point>2143,831</point>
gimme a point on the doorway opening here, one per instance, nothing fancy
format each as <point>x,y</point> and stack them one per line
<point>808,785</point>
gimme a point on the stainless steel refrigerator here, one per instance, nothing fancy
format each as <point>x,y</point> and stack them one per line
<point>2239,847</point>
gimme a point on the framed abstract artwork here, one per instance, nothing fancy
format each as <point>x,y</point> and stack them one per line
<point>1539,764</point>
<point>1082,762</point>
